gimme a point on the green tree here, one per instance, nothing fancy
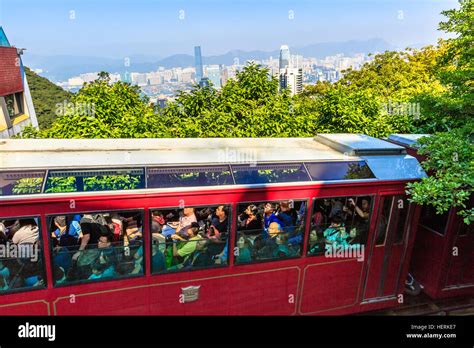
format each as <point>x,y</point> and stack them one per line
<point>104,110</point>
<point>450,154</point>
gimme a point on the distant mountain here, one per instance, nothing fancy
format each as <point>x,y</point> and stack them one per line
<point>60,68</point>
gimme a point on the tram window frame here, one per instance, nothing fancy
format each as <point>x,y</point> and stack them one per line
<point>224,171</point>
<point>77,177</point>
<point>394,222</point>
<point>41,256</point>
<point>446,215</point>
<point>50,222</point>
<point>300,254</point>
<point>40,174</point>
<point>327,197</point>
<point>151,210</point>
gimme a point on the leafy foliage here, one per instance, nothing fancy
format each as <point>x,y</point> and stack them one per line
<point>46,96</point>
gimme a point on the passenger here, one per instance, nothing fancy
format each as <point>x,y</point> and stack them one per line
<point>3,283</point>
<point>316,242</point>
<point>220,222</point>
<point>158,262</point>
<point>59,275</point>
<point>183,251</point>
<point>159,219</point>
<point>133,233</point>
<point>336,208</point>
<point>3,233</point>
<point>245,254</point>
<point>270,215</point>
<point>102,270</point>
<point>91,231</point>
<point>28,232</point>
<point>61,234</point>
<point>270,247</point>
<point>285,216</point>
<point>116,227</point>
<point>75,227</point>
<point>336,234</point>
<point>4,271</point>
<point>185,221</point>
<point>249,222</point>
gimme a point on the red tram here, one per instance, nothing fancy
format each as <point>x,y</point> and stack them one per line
<point>274,226</point>
<point>443,261</point>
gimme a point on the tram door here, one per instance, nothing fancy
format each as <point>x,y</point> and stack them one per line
<point>388,248</point>
<point>461,270</point>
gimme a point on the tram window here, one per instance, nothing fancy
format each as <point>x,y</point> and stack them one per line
<point>430,219</point>
<point>95,246</point>
<point>189,176</point>
<point>94,180</point>
<point>403,206</point>
<point>189,238</point>
<point>393,217</point>
<point>269,230</point>
<point>320,171</point>
<point>339,222</point>
<point>269,173</point>
<point>21,183</point>
<point>21,256</point>
<point>384,220</point>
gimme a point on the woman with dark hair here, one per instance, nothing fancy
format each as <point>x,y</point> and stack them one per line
<point>250,224</point>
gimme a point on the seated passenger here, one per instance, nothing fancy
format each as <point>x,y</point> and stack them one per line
<point>133,233</point>
<point>184,248</point>
<point>4,271</point>
<point>270,246</point>
<point>3,283</point>
<point>102,270</point>
<point>217,234</point>
<point>28,232</point>
<point>270,216</point>
<point>91,231</point>
<point>336,234</point>
<point>316,242</point>
<point>244,255</point>
<point>59,275</point>
<point>187,217</point>
<point>249,222</point>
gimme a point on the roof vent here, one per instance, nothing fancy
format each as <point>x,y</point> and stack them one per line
<point>359,144</point>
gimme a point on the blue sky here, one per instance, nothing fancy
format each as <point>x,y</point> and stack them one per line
<point>118,28</point>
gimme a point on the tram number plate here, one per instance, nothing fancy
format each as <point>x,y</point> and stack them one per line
<point>190,293</point>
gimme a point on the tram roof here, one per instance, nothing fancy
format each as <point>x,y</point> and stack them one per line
<point>386,160</point>
<point>61,153</point>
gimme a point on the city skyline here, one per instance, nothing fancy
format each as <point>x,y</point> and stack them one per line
<point>161,28</point>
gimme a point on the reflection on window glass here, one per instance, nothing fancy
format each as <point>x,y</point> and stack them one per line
<point>339,170</point>
<point>21,256</point>
<point>189,238</point>
<point>339,222</point>
<point>269,173</point>
<point>87,247</point>
<point>403,206</point>
<point>384,220</point>
<point>94,180</point>
<point>393,217</point>
<point>269,230</point>
<point>433,221</point>
<point>189,176</point>
<point>21,183</point>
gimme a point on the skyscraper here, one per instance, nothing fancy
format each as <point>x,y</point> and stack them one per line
<point>198,63</point>
<point>214,75</point>
<point>290,78</point>
<point>284,57</point>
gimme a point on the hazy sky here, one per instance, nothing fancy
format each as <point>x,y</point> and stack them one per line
<point>120,28</point>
